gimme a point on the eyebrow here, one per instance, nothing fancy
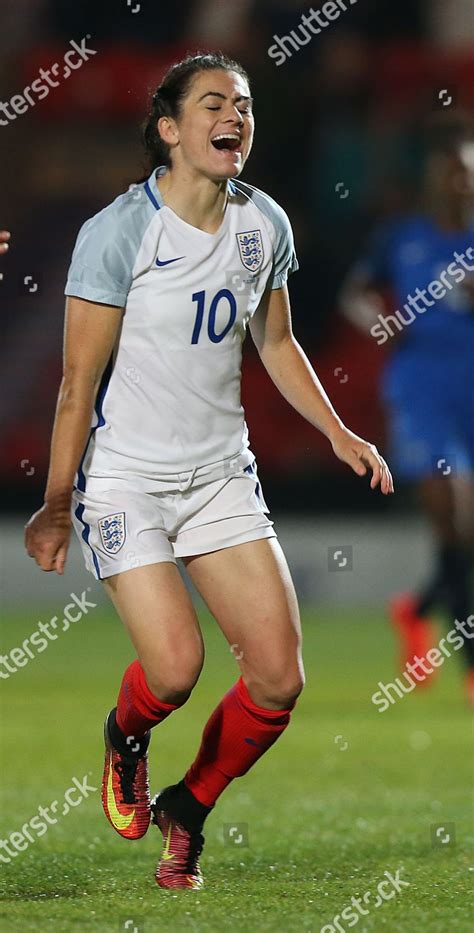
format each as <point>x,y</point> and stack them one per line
<point>223,96</point>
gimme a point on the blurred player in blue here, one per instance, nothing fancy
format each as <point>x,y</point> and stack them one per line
<point>426,261</point>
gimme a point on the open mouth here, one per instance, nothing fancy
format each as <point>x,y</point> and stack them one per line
<point>227,142</point>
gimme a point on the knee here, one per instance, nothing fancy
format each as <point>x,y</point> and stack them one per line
<point>281,693</point>
<point>173,682</point>
<point>285,694</point>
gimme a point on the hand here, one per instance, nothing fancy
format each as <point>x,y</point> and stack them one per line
<point>4,245</point>
<point>47,535</point>
<point>361,455</point>
<point>4,238</point>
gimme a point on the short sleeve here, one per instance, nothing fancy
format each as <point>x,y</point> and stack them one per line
<point>101,265</point>
<point>284,260</point>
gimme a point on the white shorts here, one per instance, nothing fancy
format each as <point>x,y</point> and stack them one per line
<point>120,528</point>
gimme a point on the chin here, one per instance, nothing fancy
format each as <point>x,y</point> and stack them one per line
<point>223,173</point>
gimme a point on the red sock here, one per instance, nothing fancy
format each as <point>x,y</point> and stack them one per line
<point>237,734</point>
<point>137,708</point>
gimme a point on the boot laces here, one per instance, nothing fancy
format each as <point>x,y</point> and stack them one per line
<point>126,768</point>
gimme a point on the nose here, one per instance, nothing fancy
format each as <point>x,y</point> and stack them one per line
<point>235,117</point>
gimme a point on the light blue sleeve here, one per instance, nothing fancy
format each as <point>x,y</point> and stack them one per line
<point>104,256</point>
<point>284,256</point>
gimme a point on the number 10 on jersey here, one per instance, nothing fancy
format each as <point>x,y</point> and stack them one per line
<point>200,298</point>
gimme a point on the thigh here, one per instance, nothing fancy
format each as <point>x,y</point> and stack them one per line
<point>464,502</point>
<point>222,514</point>
<point>437,497</point>
<point>248,589</point>
<point>421,415</point>
<point>120,528</point>
<point>158,613</point>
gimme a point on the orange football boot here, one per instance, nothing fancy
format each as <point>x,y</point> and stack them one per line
<point>179,863</point>
<point>417,634</point>
<point>470,686</point>
<point>125,788</point>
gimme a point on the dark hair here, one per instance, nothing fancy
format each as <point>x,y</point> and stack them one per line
<point>169,96</point>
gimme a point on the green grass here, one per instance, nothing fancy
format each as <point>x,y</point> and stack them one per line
<point>324,823</point>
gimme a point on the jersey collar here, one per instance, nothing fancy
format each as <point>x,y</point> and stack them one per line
<point>151,188</point>
<point>153,192</point>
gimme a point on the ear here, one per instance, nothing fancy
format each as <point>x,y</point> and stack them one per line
<point>168,130</point>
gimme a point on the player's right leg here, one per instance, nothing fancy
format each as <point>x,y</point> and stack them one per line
<point>158,614</point>
<point>122,532</point>
<point>448,500</point>
<point>429,451</point>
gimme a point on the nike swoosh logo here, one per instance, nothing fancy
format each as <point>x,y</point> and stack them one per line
<point>119,820</point>
<point>166,262</point>
<point>194,882</point>
<point>166,855</point>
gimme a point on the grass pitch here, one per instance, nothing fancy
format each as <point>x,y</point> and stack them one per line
<point>346,794</point>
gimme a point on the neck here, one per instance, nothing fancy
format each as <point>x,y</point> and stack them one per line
<point>198,200</point>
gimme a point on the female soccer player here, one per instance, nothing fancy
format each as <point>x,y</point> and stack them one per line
<point>162,287</point>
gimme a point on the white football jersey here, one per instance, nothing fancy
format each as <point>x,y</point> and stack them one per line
<point>169,401</point>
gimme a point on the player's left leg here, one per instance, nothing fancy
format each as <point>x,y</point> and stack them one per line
<point>249,591</point>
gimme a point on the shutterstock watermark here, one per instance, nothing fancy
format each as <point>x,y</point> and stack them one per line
<point>420,667</point>
<point>434,291</point>
<point>386,889</point>
<point>73,59</point>
<point>20,657</point>
<point>312,24</point>
<point>39,824</point>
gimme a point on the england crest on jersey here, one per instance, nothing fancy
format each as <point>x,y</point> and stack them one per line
<point>112,532</point>
<point>250,249</point>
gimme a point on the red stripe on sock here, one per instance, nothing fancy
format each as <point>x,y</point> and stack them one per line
<point>236,735</point>
<point>138,709</point>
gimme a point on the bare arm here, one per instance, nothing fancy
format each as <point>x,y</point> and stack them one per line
<point>89,337</point>
<point>294,377</point>
<point>361,301</point>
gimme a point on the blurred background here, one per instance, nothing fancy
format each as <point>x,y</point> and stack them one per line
<point>340,135</point>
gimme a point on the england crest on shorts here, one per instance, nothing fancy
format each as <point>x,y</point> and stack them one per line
<point>112,532</point>
<point>250,249</point>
